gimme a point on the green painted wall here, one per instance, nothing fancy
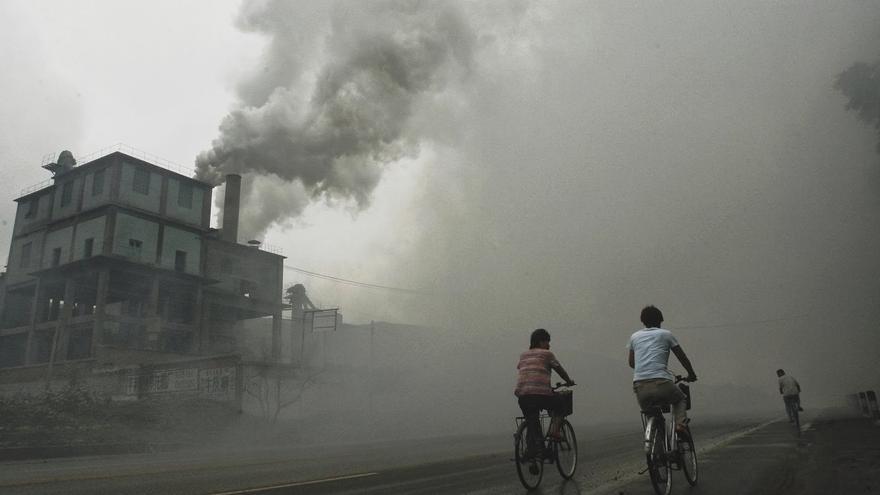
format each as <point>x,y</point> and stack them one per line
<point>175,240</point>
<point>130,227</point>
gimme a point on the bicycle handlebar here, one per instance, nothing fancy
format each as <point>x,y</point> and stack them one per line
<point>561,385</point>
<point>679,378</point>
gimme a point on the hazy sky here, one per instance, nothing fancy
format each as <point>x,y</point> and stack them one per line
<point>555,164</point>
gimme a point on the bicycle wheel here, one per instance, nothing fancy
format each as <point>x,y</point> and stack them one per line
<point>529,470</point>
<point>658,465</point>
<point>566,451</point>
<point>688,457</point>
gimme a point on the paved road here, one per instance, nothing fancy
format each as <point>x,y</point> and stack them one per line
<point>745,456</point>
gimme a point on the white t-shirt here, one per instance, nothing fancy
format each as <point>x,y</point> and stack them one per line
<point>788,386</point>
<point>651,347</point>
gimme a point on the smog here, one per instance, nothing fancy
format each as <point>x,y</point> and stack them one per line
<point>453,175</point>
<point>579,174</point>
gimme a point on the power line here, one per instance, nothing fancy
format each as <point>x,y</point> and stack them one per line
<point>355,283</point>
<point>740,324</point>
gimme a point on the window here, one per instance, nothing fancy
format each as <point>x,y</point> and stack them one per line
<point>66,193</point>
<point>141,182</point>
<point>56,256</point>
<point>89,246</point>
<point>98,183</point>
<point>134,247</point>
<point>180,261</point>
<point>185,195</point>
<point>25,255</point>
<point>248,288</point>
<point>32,207</point>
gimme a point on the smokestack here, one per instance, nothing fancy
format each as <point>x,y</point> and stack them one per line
<point>231,204</point>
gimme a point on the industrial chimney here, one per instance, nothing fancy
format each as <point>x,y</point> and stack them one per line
<point>231,204</point>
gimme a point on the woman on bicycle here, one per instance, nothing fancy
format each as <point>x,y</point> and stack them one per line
<point>533,388</point>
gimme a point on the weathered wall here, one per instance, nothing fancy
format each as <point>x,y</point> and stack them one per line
<point>96,196</point>
<point>90,229</point>
<point>189,242</point>
<point>57,239</point>
<point>128,195</point>
<point>39,216</point>
<point>61,209</point>
<point>131,227</point>
<point>177,209</point>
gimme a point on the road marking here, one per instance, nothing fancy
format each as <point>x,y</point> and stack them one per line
<point>735,436</point>
<point>759,445</point>
<point>298,483</point>
<point>626,479</point>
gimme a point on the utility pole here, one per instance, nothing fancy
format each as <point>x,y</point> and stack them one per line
<point>370,364</point>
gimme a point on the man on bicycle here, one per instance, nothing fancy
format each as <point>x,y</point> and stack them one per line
<point>533,388</point>
<point>649,356</point>
<point>790,390</point>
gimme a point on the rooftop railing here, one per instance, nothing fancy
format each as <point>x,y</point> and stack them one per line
<point>36,187</point>
<point>121,147</point>
<point>269,248</point>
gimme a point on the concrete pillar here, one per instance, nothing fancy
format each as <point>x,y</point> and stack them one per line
<point>153,320</point>
<point>35,306</point>
<point>64,320</point>
<point>59,338</point>
<point>100,308</point>
<point>204,329</point>
<point>197,323</point>
<point>163,196</point>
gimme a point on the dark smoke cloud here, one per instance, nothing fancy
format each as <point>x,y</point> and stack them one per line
<point>860,83</point>
<point>332,128</point>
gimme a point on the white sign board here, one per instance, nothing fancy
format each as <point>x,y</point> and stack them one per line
<point>321,320</point>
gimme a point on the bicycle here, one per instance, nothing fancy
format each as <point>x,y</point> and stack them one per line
<point>792,408</point>
<point>665,452</point>
<point>562,451</point>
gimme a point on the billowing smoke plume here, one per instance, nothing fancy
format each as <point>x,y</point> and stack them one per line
<point>860,83</point>
<point>327,130</point>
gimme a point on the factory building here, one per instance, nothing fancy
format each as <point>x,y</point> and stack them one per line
<point>114,269</point>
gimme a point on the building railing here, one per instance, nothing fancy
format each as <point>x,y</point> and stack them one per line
<point>269,248</point>
<point>121,147</point>
<point>36,187</point>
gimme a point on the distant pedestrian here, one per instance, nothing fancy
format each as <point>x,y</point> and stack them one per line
<point>790,390</point>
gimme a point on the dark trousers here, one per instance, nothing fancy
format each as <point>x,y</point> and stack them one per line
<point>531,406</point>
<point>792,404</point>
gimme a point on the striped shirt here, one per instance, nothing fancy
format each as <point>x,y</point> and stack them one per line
<point>534,368</point>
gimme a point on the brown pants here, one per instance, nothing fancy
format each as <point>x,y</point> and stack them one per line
<point>659,392</point>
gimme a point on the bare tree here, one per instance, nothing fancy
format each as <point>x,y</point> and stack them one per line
<point>277,386</point>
